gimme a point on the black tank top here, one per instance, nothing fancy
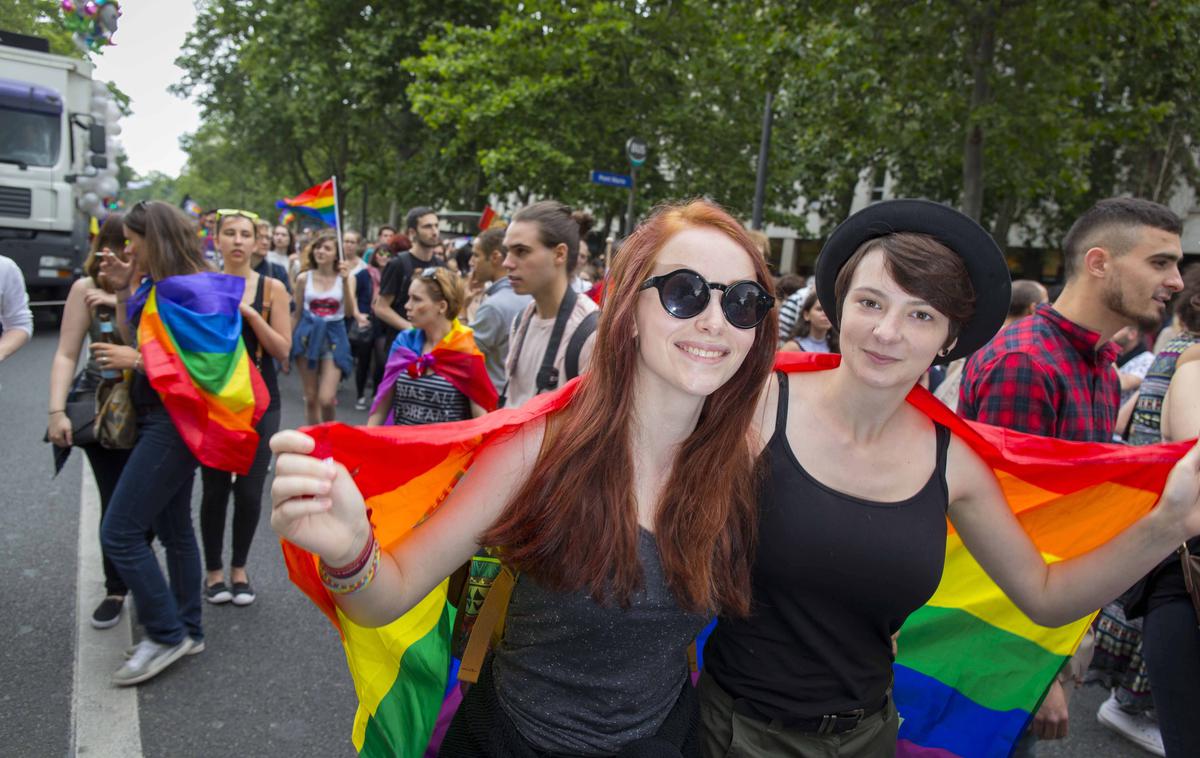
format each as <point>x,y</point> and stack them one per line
<point>834,577</point>
<point>261,358</point>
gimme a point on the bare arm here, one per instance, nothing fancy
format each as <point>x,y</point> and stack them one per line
<point>334,524</point>
<point>1182,403</point>
<point>298,295</point>
<point>276,335</point>
<point>1067,590</point>
<point>377,418</point>
<point>382,308</point>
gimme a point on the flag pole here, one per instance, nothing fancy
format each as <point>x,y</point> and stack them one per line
<point>337,220</point>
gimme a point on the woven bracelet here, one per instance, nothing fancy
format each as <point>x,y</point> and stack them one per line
<point>356,565</point>
<point>339,587</point>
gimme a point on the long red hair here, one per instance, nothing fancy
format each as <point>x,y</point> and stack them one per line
<point>573,525</point>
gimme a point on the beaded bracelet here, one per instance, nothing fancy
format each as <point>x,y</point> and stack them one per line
<point>338,586</point>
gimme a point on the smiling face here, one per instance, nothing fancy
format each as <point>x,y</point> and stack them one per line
<point>699,354</point>
<point>889,337</point>
<point>1143,279</point>
<point>235,239</point>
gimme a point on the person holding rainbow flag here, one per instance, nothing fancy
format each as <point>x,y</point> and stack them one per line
<point>198,399</point>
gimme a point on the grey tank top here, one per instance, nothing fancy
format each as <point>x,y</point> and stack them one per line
<point>580,678</point>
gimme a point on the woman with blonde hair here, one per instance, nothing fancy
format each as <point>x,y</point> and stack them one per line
<point>435,373</point>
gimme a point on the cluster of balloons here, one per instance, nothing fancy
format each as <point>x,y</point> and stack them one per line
<point>102,184</point>
<point>93,21</point>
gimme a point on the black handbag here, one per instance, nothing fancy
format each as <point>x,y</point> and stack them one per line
<point>81,409</point>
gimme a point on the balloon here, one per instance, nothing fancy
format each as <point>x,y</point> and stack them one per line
<point>107,19</point>
<point>108,186</point>
<point>99,88</point>
<point>114,129</point>
<point>114,112</point>
<point>89,198</point>
<point>68,6</point>
<point>90,8</point>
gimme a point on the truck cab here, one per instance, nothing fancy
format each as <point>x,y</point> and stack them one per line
<point>48,141</point>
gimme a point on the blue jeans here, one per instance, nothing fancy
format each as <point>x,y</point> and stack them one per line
<point>155,492</point>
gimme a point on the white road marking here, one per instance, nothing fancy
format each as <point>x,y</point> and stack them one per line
<point>104,718</point>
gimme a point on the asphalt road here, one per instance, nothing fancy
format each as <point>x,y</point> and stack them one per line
<point>272,681</point>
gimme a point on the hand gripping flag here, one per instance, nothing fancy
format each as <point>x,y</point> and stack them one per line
<point>190,337</point>
<point>972,668</point>
<point>456,358</point>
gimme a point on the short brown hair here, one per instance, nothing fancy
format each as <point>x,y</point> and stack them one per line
<point>924,268</point>
<point>1111,223</point>
<point>491,240</point>
<point>1026,293</point>
<point>444,285</point>
<point>1188,309</point>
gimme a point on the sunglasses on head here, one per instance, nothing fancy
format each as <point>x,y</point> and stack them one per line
<point>685,294</point>
<point>221,212</point>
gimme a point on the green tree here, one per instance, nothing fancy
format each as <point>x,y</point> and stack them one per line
<point>40,18</point>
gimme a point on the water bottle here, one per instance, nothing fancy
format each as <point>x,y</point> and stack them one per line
<point>107,336</point>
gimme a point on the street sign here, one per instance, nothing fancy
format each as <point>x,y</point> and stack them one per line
<point>609,179</point>
<point>636,150</point>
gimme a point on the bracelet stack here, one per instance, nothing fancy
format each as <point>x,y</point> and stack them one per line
<point>344,580</point>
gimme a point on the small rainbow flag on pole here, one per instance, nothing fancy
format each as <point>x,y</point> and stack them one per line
<point>190,337</point>
<point>319,201</point>
<point>972,667</point>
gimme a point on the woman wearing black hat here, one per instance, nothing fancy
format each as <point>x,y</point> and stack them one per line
<point>853,521</point>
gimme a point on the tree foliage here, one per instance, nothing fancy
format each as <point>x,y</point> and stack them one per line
<point>1021,112</point>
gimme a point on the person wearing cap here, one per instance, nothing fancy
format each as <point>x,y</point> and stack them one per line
<point>1053,373</point>
<point>908,283</point>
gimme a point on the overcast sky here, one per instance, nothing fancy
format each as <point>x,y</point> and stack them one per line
<point>142,65</point>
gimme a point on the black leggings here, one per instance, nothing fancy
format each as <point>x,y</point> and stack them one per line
<point>247,500</point>
<point>362,352</point>
<point>107,466</point>
<point>381,355</point>
<point>1171,645</point>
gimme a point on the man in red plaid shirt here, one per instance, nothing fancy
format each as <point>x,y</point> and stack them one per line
<point>1053,373</point>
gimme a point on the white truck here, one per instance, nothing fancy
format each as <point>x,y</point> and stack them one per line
<point>56,162</point>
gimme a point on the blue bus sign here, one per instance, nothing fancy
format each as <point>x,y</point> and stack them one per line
<point>609,179</point>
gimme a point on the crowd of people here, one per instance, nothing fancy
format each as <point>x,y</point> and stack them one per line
<point>682,481</point>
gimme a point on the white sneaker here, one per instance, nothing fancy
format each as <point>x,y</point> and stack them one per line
<point>148,660</point>
<point>1138,729</point>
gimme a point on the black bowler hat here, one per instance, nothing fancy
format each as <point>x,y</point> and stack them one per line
<point>982,256</point>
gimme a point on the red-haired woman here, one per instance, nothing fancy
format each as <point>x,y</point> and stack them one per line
<point>630,513</point>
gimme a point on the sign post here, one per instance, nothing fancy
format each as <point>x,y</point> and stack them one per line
<point>637,151</point>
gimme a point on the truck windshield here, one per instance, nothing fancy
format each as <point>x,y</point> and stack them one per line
<point>29,138</point>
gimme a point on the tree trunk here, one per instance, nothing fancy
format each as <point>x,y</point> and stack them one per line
<point>981,58</point>
<point>1004,221</point>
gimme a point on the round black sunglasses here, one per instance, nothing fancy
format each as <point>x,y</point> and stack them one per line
<point>684,294</point>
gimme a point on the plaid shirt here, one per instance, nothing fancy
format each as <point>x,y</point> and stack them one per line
<point>1044,375</point>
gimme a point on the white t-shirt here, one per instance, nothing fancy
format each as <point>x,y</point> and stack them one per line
<point>14,301</point>
<point>522,368</point>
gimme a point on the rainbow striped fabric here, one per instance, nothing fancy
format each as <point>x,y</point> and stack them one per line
<point>971,670</point>
<point>190,337</point>
<point>317,201</point>
<point>456,357</point>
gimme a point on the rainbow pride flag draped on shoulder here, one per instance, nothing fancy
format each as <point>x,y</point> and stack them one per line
<point>971,669</point>
<point>456,358</point>
<point>190,337</point>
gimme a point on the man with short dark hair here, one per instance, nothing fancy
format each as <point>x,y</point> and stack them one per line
<point>1053,373</point>
<point>422,229</point>
<point>500,307</point>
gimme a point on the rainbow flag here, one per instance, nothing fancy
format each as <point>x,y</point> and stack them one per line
<point>971,670</point>
<point>286,217</point>
<point>319,202</point>
<point>456,358</point>
<point>190,337</point>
